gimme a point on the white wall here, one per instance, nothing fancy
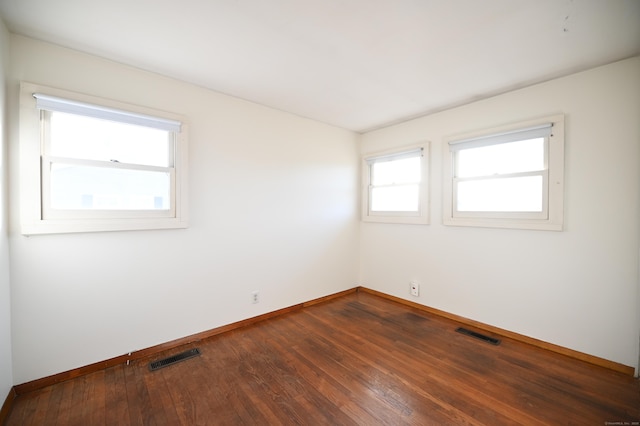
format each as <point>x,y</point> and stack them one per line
<point>6,375</point>
<point>577,288</point>
<point>273,207</point>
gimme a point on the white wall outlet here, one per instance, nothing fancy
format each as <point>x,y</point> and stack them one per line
<point>415,289</point>
<point>255,297</point>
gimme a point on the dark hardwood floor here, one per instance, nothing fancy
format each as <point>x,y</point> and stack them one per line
<point>358,359</point>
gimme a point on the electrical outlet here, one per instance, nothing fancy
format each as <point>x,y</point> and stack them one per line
<point>415,289</point>
<point>255,297</point>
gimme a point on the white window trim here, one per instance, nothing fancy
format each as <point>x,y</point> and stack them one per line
<point>31,177</point>
<point>553,177</point>
<point>421,217</point>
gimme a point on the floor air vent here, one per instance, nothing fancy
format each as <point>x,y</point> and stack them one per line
<point>478,336</point>
<point>156,365</point>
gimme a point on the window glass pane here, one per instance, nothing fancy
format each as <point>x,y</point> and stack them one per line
<point>403,198</point>
<point>513,157</point>
<point>521,194</point>
<point>406,170</point>
<point>76,136</point>
<point>102,188</point>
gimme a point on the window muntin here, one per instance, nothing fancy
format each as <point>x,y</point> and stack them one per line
<point>511,177</point>
<point>395,185</point>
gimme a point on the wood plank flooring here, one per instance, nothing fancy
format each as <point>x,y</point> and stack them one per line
<point>355,360</point>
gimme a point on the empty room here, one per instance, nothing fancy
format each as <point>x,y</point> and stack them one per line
<point>321,212</point>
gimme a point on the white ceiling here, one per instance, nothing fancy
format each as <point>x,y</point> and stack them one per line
<point>357,64</point>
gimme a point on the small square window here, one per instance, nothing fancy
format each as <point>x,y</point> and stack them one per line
<point>509,178</point>
<point>395,186</point>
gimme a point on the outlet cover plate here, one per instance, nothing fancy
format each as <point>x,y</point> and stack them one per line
<point>415,289</point>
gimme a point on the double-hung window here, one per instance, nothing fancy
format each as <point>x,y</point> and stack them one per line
<point>103,167</point>
<point>395,186</point>
<point>508,178</point>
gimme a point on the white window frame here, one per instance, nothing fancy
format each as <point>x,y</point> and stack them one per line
<point>36,218</point>
<point>551,217</point>
<point>402,217</point>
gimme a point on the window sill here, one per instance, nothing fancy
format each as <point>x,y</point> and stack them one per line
<point>42,227</point>
<point>533,224</point>
<point>408,220</point>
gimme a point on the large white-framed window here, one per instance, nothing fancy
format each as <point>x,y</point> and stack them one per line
<point>395,185</point>
<point>507,177</point>
<point>90,164</point>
